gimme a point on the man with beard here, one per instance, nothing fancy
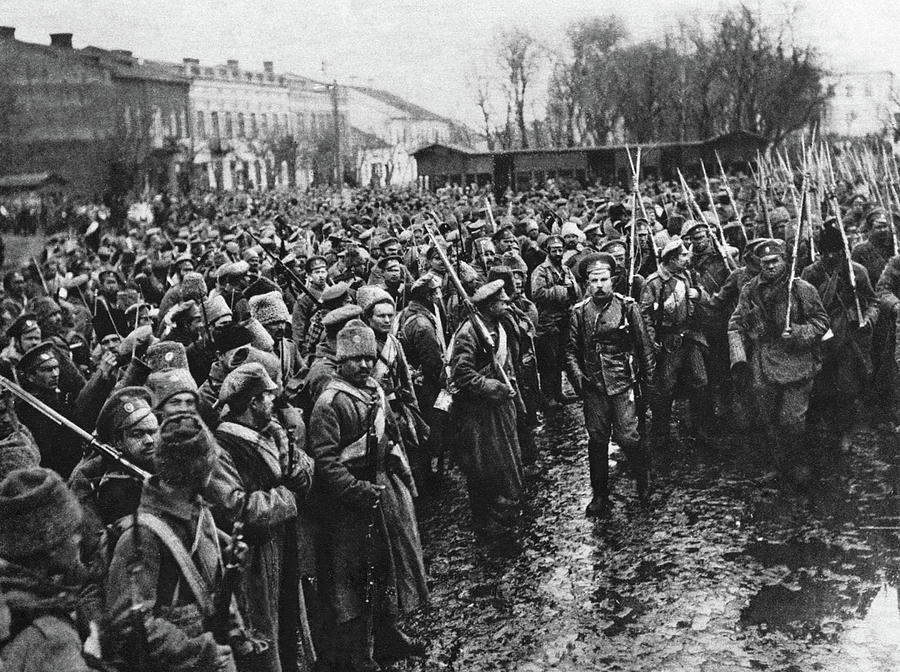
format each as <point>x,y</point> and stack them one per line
<point>554,291</point>
<point>371,568</point>
<point>778,356</point>
<point>483,258</point>
<point>847,355</point>
<point>305,307</point>
<point>23,334</point>
<point>109,284</point>
<point>669,304</point>
<point>272,313</point>
<point>257,480</point>
<point>107,493</point>
<point>485,414</point>
<point>606,331</point>
<point>39,562</point>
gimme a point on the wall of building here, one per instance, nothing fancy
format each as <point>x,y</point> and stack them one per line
<point>862,103</point>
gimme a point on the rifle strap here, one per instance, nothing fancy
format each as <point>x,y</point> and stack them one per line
<point>189,571</point>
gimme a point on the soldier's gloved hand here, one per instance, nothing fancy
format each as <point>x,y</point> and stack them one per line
<point>497,391</point>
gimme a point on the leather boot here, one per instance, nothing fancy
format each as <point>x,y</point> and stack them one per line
<point>598,461</point>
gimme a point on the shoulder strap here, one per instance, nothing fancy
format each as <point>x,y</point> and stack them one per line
<point>189,571</point>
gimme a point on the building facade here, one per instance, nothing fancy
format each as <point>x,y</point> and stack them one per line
<point>861,104</point>
<point>102,120</point>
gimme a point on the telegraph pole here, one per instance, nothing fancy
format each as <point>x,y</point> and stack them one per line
<point>338,160</point>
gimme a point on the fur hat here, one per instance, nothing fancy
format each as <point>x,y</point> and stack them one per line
<point>166,355</point>
<point>109,321</point>
<point>22,325</point>
<point>126,407</point>
<point>514,262</point>
<point>38,511</point>
<point>261,338</point>
<point>185,451</point>
<point>571,229</point>
<point>164,385</point>
<point>368,296</point>
<point>18,451</point>
<point>43,307</point>
<point>216,308</point>
<point>355,340</point>
<point>260,286</point>
<point>269,308</point>
<point>830,239</point>
<point>335,320</point>
<point>245,382</point>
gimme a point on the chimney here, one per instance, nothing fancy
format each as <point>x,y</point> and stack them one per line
<point>268,67</point>
<point>7,33</point>
<point>61,40</point>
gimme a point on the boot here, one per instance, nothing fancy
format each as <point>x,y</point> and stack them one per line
<point>598,462</point>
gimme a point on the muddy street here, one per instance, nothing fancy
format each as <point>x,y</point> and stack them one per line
<point>721,570</point>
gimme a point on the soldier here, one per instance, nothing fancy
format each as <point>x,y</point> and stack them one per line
<point>392,274</point>
<point>23,334</point>
<point>371,568</point>
<point>779,356</point>
<point>305,307</point>
<point>257,480</point>
<point>39,562</point>
<point>485,415</point>
<point>878,249</point>
<point>669,305</point>
<point>606,330</point>
<point>847,355</point>
<point>554,291</point>
<point>616,247</point>
<point>174,543</point>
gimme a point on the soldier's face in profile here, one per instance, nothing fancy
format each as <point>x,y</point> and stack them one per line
<point>137,441</point>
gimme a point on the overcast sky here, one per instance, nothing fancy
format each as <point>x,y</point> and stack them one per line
<point>420,49</point>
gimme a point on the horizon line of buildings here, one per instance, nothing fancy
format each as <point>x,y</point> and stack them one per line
<point>104,120</point>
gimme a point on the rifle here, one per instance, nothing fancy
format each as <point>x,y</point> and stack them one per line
<point>730,264</point>
<point>280,265</point>
<point>794,254</point>
<point>836,209</point>
<point>105,450</point>
<point>138,611</point>
<point>231,577</point>
<point>481,331</point>
<point>734,203</point>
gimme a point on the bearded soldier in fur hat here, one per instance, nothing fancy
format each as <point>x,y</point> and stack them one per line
<point>371,568</point>
<point>257,481</point>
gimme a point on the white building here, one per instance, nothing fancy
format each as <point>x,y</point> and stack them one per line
<point>861,104</point>
<point>403,127</point>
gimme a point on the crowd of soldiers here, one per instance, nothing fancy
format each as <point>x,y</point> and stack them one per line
<point>218,413</point>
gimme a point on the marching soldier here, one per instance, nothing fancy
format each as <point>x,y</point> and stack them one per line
<point>554,291</point>
<point>606,330</point>
<point>847,355</point>
<point>669,305</point>
<point>778,355</point>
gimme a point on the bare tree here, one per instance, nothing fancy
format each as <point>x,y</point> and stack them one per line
<point>520,55</point>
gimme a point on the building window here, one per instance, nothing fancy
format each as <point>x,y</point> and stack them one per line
<point>253,129</point>
<point>849,92</point>
<point>284,124</point>
<point>215,124</point>
<point>184,131</point>
<point>228,128</point>
<point>301,123</point>
<point>127,120</point>
<point>313,124</point>
<point>276,130</point>
<point>241,129</point>
<point>264,124</point>
<point>201,125</point>
<point>173,124</point>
